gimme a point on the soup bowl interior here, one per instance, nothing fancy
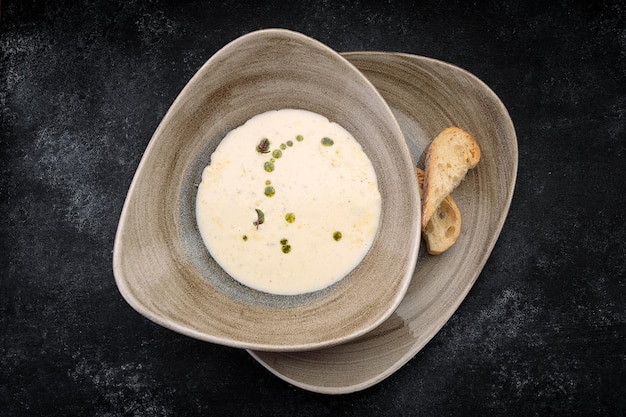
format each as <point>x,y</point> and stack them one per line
<point>161,265</point>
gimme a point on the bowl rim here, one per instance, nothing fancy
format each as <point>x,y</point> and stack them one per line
<point>124,285</point>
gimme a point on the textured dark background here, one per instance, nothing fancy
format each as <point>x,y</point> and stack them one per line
<point>83,86</point>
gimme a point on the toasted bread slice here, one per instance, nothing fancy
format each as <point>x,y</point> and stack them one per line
<point>444,226</point>
<point>451,154</point>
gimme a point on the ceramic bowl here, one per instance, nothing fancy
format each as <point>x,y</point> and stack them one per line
<point>161,265</point>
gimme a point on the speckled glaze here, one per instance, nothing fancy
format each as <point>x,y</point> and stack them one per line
<point>426,96</point>
<point>163,269</point>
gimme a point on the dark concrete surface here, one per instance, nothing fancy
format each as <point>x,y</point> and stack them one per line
<point>83,86</point>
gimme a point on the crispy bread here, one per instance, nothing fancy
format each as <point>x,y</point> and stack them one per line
<point>444,226</point>
<point>451,154</point>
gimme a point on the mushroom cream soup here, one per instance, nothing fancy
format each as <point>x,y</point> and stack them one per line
<point>289,203</point>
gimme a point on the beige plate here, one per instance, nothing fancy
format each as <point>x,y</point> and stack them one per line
<point>426,96</point>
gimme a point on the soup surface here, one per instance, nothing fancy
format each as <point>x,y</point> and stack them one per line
<point>289,203</point>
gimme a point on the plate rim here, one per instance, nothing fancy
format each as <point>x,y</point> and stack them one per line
<point>422,341</point>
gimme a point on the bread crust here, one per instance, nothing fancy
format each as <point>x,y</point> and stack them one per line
<point>444,227</point>
<point>450,155</point>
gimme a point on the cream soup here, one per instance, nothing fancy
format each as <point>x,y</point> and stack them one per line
<point>289,203</point>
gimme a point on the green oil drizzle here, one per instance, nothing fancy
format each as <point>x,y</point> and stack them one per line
<point>326,141</point>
